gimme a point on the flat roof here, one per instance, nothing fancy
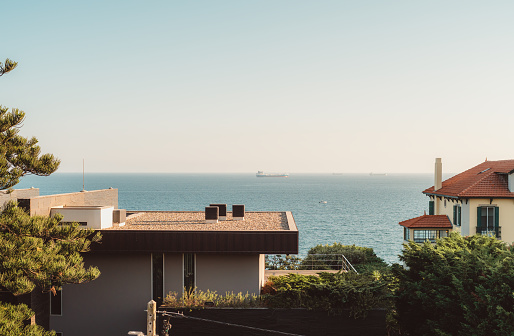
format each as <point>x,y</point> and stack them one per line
<point>195,221</point>
<point>187,232</point>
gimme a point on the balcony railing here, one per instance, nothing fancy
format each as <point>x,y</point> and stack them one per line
<point>497,231</point>
<point>310,262</point>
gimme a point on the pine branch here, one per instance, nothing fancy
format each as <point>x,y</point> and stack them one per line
<point>8,66</point>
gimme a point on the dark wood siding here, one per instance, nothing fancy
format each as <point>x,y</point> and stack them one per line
<point>262,242</point>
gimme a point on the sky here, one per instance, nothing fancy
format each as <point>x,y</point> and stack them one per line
<point>275,85</point>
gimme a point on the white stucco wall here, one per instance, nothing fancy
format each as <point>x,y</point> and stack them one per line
<point>95,217</point>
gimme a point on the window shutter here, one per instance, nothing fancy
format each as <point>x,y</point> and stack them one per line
<point>459,217</point>
<point>496,217</point>
<point>455,215</point>
<point>479,219</point>
<point>431,207</point>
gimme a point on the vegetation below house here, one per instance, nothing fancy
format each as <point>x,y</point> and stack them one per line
<point>330,257</point>
<point>336,293</point>
<point>200,299</point>
<point>458,286</point>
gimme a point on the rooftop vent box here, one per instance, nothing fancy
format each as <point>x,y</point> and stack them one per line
<point>222,210</point>
<point>238,212</point>
<point>211,214</point>
<point>119,216</point>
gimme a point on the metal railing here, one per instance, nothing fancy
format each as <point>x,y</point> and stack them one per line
<point>312,262</point>
<point>496,231</point>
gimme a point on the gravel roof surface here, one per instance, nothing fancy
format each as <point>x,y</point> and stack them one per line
<point>195,220</point>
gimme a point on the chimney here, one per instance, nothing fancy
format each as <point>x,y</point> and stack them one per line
<point>238,212</point>
<point>211,214</point>
<point>438,174</point>
<point>222,211</point>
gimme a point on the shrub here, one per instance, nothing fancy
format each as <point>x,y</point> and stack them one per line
<point>279,262</point>
<point>328,257</point>
<point>335,293</point>
<point>458,286</point>
<point>197,299</point>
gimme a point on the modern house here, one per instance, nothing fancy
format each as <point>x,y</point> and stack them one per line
<point>479,200</point>
<point>144,255</point>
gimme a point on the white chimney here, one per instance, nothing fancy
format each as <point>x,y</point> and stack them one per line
<point>438,174</point>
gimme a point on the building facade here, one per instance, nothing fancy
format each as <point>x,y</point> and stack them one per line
<point>144,255</point>
<point>479,200</point>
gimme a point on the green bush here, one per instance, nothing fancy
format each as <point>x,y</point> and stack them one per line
<point>328,257</point>
<point>13,319</point>
<point>279,262</point>
<point>336,293</point>
<point>458,286</point>
<point>197,298</point>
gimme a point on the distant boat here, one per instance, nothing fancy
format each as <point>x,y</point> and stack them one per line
<point>323,202</point>
<point>260,173</point>
<point>377,174</point>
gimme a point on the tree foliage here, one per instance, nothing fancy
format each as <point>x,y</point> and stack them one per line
<point>280,262</point>
<point>327,256</point>
<point>458,286</point>
<point>34,251</point>
<point>11,322</point>
<point>20,156</point>
<point>336,293</point>
<point>38,251</point>
<point>7,66</point>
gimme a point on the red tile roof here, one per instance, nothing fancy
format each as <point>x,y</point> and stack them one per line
<point>428,221</point>
<point>488,180</point>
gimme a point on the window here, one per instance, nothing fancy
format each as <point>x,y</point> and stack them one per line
<point>457,215</point>
<point>488,220</point>
<point>189,271</point>
<point>56,303</point>
<point>79,223</point>
<point>430,207</point>
<point>406,233</point>
<point>421,235</point>
<point>157,277</point>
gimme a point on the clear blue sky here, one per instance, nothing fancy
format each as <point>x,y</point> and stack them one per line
<point>284,86</point>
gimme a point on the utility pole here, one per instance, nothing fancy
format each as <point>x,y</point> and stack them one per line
<point>151,317</point>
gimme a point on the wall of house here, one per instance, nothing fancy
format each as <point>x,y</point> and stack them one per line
<point>173,273</point>
<point>465,217</point>
<point>229,273</point>
<point>41,205</point>
<point>9,195</point>
<point>98,217</point>
<point>113,304</point>
<point>506,212</point>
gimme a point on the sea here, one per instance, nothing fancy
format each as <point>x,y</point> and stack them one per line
<point>360,209</point>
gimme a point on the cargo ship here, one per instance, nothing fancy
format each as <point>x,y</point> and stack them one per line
<point>260,173</point>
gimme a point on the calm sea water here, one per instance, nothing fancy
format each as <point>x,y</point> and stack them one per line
<point>360,209</point>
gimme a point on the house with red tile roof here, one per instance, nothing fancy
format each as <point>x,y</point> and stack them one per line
<point>479,200</point>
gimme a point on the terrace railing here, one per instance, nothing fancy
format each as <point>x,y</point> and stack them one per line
<point>496,231</point>
<point>311,262</point>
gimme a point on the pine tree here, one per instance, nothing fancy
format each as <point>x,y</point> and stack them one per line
<point>35,251</point>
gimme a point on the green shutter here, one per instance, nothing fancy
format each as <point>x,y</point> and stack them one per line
<point>479,222</point>
<point>455,215</point>
<point>496,217</point>
<point>459,217</point>
<point>431,207</point>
